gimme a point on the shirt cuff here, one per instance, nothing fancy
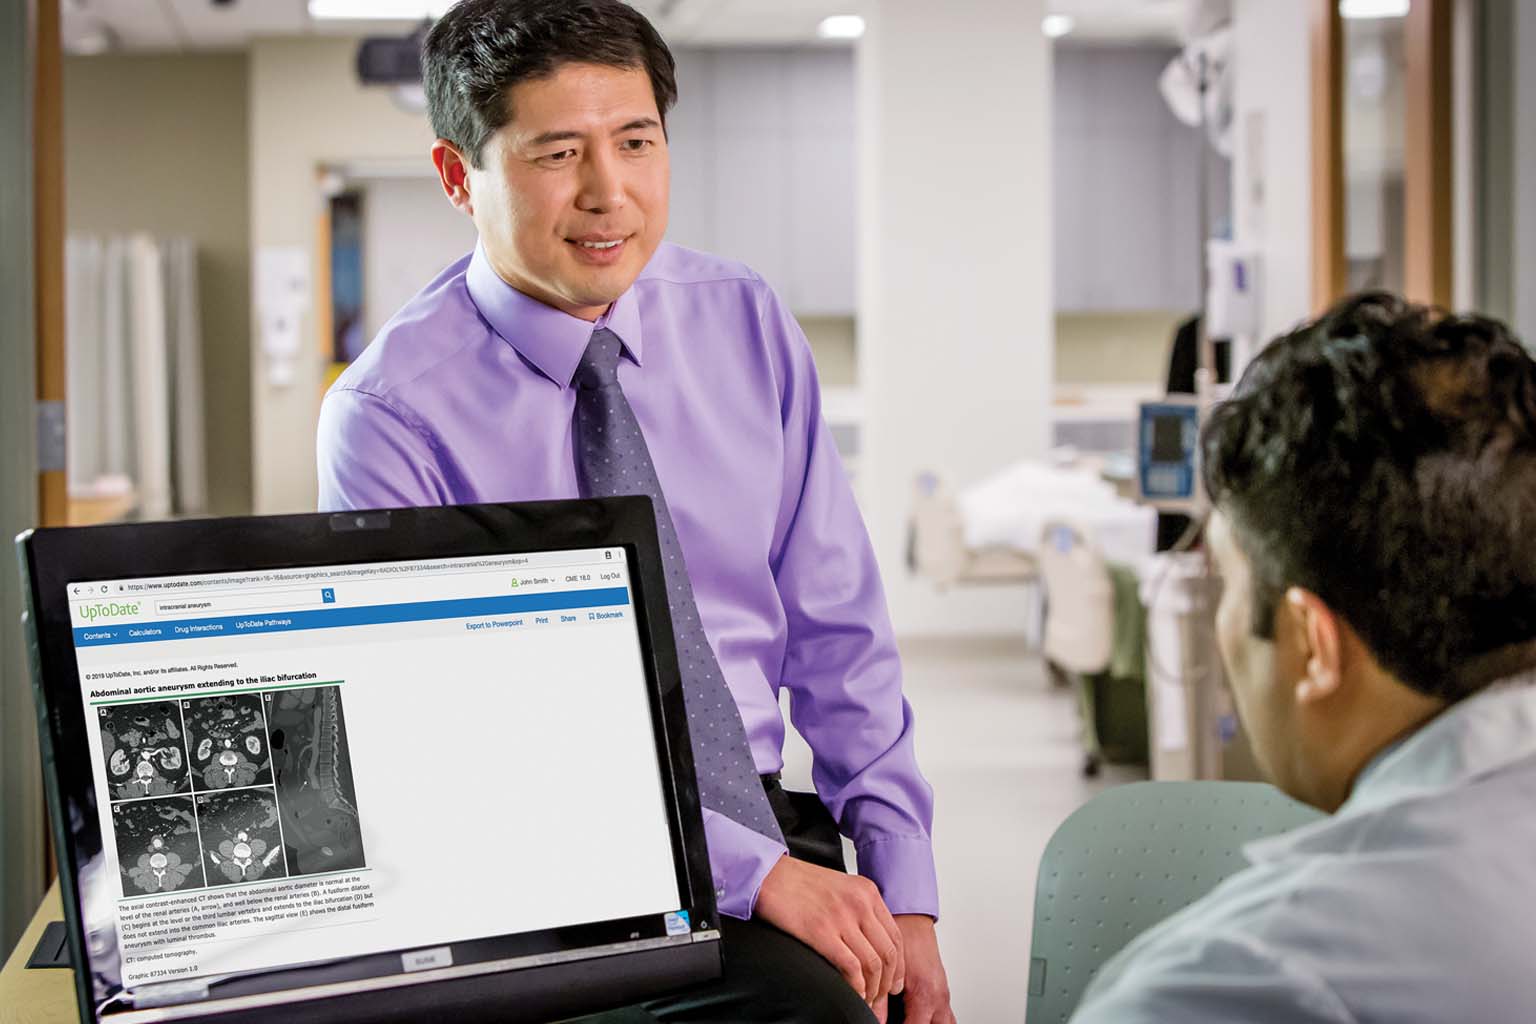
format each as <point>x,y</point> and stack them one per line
<point>902,866</point>
<point>740,859</point>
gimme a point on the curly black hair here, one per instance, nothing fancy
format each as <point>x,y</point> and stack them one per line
<point>1384,457</point>
<point>479,49</point>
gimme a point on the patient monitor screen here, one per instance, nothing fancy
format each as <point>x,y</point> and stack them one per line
<point>311,764</point>
<point>1168,438</point>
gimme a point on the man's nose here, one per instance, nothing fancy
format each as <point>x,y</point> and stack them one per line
<point>602,183</point>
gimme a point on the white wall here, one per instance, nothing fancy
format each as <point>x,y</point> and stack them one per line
<point>1523,173</point>
<point>1272,169</point>
<point>307,111</point>
<point>955,334</point>
<point>410,233</point>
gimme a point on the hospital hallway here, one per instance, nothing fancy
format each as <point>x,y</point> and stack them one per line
<point>1000,745</point>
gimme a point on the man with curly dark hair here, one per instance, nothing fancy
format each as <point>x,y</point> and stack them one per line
<point>1374,484</point>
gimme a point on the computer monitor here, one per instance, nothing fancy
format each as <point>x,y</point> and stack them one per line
<point>369,765</point>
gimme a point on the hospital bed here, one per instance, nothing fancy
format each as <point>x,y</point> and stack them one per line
<point>991,532</point>
<point>1069,533</point>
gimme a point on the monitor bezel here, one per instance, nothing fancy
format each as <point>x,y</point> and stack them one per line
<point>53,558</point>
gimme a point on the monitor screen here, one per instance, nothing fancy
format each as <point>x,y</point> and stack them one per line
<point>1168,437</point>
<point>345,762</point>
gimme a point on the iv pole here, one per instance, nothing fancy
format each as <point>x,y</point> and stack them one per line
<point>1205,373</point>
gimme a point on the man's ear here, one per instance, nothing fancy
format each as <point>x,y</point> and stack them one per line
<point>453,174</point>
<point>1319,632</point>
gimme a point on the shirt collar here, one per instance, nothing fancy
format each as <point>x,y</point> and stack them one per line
<point>553,341</point>
<point>1471,739</point>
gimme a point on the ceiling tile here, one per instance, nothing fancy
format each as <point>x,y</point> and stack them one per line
<point>137,24</point>
<point>207,24</point>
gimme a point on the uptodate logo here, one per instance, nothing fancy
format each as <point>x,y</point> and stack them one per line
<point>108,609</point>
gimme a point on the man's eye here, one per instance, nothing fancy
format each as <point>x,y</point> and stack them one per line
<point>561,157</point>
<point>636,145</point>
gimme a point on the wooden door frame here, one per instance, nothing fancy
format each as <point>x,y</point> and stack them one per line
<point>1429,154</point>
<point>1429,199</point>
<point>48,246</point>
<point>1329,276</point>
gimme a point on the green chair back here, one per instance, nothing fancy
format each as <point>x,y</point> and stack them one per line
<point>1127,859</point>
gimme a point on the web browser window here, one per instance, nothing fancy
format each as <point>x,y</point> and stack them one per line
<point>311,764</point>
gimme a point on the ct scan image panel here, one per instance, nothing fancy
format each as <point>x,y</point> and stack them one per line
<point>241,842</point>
<point>144,749</point>
<point>157,849</point>
<point>227,742</point>
<point>314,780</point>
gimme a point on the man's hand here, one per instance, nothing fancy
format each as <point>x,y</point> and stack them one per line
<point>926,998</point>
<point>843,918</point>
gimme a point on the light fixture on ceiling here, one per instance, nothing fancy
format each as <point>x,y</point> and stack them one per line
<point>90,41</point>
<point>841,26</point>
<point>1057,25</point>
<point>378,10</point>
<point>1362,9</point>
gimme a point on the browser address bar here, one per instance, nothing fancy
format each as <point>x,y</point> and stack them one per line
<point>281,600</point>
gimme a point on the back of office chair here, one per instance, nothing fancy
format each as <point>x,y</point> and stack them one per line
<point>1127,859</point>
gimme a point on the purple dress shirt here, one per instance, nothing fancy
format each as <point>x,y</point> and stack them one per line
<point>466,396</point>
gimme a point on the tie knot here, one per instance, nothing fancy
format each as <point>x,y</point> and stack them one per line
<point>599,366</point>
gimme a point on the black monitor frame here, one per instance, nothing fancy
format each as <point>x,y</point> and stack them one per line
<point>51,559</point>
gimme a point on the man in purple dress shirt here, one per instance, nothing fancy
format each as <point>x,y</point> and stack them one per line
<point>550,117</point>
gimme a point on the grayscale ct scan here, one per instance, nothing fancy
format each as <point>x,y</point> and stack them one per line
<point>314,780</point>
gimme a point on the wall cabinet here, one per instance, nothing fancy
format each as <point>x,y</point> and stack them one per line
<point>762,145</point>
<point>1127,231</point>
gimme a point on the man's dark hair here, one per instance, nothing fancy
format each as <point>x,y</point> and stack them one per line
<point>479,49</point>
<point>1384,458</point>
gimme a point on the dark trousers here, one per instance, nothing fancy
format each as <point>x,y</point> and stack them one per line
<point>770,977</point>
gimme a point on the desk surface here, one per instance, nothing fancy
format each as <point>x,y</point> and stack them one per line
<point>41,996</point>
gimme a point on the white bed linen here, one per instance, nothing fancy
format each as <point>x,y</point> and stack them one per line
<point>1011,508</point>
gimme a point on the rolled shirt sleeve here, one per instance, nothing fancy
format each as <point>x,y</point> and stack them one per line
<point>840,661</point>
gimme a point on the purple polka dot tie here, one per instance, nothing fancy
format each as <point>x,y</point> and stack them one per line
<point>612,459</point>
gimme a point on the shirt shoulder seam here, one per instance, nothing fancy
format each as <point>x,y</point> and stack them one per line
<point>747,274</point>
<point>411,422</point>
<point>463,343</point>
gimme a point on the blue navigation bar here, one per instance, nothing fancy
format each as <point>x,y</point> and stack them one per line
<point>333,618</point>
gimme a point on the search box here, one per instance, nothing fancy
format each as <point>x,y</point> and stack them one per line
<point>269,601</point>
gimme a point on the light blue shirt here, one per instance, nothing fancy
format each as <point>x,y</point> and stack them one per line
<point>1416,902</point>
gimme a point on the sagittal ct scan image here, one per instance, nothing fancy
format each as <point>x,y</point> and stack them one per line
<point>314,780</point>
<point>241,842</point>
<point>227,741</point>
<point>157,848</point>
<point>145,750</point>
